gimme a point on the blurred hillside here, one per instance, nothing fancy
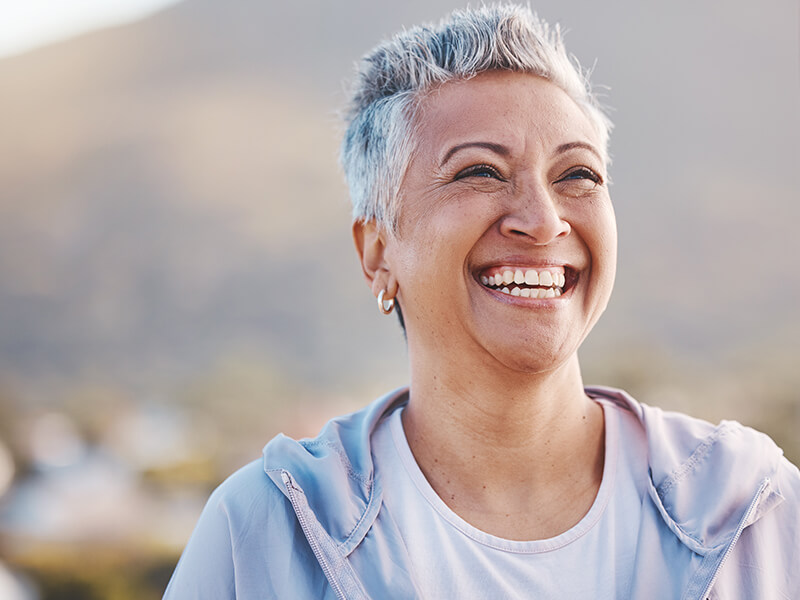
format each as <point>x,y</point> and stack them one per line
<point>170,191</point>
<point>177,280</point>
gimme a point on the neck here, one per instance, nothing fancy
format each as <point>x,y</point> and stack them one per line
<point>499,444</point>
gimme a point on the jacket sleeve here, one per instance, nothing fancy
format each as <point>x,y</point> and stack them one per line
<point>206,567</point>
<point>247,545</point>
<point>764,562</point>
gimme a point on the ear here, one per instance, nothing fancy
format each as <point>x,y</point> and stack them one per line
<point>370,241</point>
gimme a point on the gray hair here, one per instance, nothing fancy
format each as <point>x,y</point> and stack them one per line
<point>379,139</point>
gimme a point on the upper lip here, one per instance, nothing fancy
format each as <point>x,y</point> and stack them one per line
<point>521,261</point>
<point>522,264</point>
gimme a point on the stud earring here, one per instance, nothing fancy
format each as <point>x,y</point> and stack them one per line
<point>385,306</point>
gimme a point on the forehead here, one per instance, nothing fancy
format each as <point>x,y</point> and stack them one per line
<point>501,106</point>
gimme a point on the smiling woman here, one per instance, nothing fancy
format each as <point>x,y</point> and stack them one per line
<point>477,162</point>
<point>506,177</point>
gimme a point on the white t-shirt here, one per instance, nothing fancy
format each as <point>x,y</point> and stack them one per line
<point>452,559</point>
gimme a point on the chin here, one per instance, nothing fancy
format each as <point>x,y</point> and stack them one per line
<point>539,362</point>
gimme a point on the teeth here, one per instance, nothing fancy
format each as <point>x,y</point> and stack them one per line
<point>550,282</point>
<point>531,277</point>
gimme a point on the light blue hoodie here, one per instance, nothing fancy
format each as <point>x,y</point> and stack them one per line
<point>724,507</point>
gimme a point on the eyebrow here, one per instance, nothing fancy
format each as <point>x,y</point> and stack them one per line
<point>504,151</point>
<point>572,145</point>
<point>496,148</point>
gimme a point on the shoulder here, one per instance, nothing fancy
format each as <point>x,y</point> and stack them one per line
<point>763,564</point>
<point>248,538</point>
<point>704,476</point>
<point>724,485</point>
<point>246,489</point>
<point>679,444</point>
<point>232,550</point>
<point>787,507</point>
<point>245,501</point>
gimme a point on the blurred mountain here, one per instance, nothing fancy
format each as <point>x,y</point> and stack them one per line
<point>169,192</point>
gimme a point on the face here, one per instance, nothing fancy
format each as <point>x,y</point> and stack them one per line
<point>506,239</point>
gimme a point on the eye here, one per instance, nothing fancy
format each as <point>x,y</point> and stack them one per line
<point>579,173</point>
<point>480,171</point>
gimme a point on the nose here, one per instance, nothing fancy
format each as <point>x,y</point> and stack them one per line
<point>535,215</point>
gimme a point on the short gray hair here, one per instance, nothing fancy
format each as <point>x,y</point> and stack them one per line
<point>379,139</point>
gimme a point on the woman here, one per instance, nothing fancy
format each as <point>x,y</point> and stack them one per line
<point>476,158</point>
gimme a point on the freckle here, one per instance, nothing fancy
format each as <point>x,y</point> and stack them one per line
<point>484,487</point>
<point>448,481</point>
<point>508,515</point>
<point>452,497</point>
<point>473,456</point>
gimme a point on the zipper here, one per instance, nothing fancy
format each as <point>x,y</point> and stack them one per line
<point>739,530</point>
<point>312,540</point>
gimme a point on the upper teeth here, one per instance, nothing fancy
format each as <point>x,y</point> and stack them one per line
<point>509,281</point>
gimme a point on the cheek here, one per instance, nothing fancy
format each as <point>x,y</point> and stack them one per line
<point>429,258</point>
<point>605,233</point>
<point>603,248</point>
<point>600,226</point>
<point>450,227</point>
<point>610,236</point>
<point>419,258</point>
<point>597,229</point>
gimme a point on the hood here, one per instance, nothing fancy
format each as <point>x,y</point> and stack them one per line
<point>335,471</point>
<point>703,477</point>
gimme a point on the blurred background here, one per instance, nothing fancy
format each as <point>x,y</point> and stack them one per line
<point>177,282</point>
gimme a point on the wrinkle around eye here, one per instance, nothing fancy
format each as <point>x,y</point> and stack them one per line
<point>578,188</point>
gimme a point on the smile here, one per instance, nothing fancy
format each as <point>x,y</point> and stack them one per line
<point>528,283</point>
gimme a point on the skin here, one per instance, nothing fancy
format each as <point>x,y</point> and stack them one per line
<point>507,173</point>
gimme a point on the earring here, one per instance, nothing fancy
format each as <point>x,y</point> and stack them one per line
<point>385,306</point>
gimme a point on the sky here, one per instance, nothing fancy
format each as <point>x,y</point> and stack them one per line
<point>28,24</point>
